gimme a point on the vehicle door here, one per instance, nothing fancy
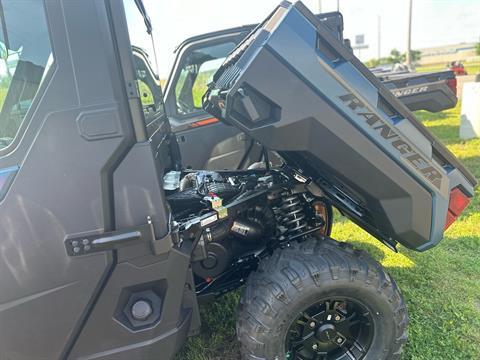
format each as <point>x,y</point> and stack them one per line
<point>205,143</point>
<point>84,224</point>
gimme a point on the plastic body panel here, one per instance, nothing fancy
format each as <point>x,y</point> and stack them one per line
<point>81,168</point>
<point>44,295</point>
<point>297,90</point>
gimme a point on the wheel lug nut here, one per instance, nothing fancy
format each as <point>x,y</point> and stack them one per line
<point>337,317</point>
<point>312,324</point>
<point>314,346</point>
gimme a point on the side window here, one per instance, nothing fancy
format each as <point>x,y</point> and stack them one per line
<point>25,54</point>
<point>196,71</point>
<point>145,64</point>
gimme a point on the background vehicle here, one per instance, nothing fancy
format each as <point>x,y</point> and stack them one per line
<point>434,92</point>
<point>107,243</point>
<point>225,147</point>
<point>457,67</point>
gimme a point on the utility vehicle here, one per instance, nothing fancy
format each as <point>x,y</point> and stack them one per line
<point>227,147</point>
<point>434,91</point>
<point>107,243</point>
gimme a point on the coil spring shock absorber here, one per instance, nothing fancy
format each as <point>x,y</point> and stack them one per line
<point>291,214</point>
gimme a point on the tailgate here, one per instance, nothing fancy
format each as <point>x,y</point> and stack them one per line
<point>433,96</point>
<point>433,92</point>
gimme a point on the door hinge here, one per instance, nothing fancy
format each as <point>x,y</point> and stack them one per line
<point>132,90</point>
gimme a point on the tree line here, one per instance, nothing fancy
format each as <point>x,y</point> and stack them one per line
<point>395,57</point>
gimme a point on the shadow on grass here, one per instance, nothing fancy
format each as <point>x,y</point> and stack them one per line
<point>428,116</point>
<point>373,250</point>
<point>217,339</point>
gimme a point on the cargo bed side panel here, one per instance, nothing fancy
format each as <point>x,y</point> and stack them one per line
<point>296,93</point>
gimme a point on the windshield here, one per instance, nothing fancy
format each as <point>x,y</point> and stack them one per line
<point>25,54</point>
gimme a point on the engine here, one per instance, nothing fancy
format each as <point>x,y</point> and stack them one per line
<point>254,212</point>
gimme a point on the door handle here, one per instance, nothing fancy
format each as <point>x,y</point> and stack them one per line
<point>116,239</point>
<point>78,245</point>
<point>83,245</point>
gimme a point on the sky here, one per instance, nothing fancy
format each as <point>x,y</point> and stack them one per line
<point>434,22</point>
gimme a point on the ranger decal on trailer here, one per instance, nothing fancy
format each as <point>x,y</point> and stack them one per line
<point>388,133</point>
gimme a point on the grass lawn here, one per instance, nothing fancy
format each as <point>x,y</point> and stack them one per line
<point>441,286</point>
<point>471,67</point>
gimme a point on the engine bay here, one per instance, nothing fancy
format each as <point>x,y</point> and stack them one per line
<point>232,219</point>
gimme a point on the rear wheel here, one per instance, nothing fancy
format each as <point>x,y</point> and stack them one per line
<point>321,300</point>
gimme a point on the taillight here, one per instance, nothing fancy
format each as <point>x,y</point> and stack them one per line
<point>458,202</point>
<point>452,84</point>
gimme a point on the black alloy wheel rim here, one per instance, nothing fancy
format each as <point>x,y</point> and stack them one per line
<point>331,329</point>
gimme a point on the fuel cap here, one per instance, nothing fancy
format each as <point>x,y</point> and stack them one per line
<point>141,310</point>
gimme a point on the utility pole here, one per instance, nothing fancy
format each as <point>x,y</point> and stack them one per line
<point>379,29</point>
<point>409,34</point>
<point>338,5</point>
<point>319,6</point>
